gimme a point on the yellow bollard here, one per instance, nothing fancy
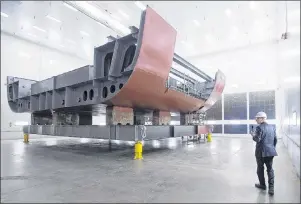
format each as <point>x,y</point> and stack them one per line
<point>26,138</point>
<point>209,138</point>
<point>138,150</point>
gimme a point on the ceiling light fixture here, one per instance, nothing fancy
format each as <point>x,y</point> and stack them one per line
<point>197,23</point>
<point>234,85</point>
<point>39,29</point>
<point>70,7</point>
<point>252,5</point>
<point>91,9</point>
<point>98,14</point>
<point>23,54</point>
<point>121,27</point>
<point>228,12</point>
<point>32,35</point>
<point>187,44</point>
<point>52,61</point>
<point>140,5</point>
<point>183,42</point>
<point>116,17</point>
<point>123,14</point>
<point>4,15</point>
<point>62,46</point>
<point>52,18</point>
<point>101,24</point>
<point>84,33</point>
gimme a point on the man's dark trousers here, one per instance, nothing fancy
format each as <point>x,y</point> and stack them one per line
<point>268,161</point>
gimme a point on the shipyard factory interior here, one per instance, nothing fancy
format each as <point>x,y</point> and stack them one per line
<point>150,101</point>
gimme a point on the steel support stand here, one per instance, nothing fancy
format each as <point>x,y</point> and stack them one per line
<point>138,150</point>
<point>26,138</point>
<point>110,145</point>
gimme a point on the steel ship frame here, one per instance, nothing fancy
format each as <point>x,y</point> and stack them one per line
<point>132,79</point>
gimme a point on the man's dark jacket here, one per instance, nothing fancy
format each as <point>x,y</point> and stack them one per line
<point>266,140</point>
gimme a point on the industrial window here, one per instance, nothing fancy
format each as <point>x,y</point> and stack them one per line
<point>217,129</point>
<point>215,112</point>
<point>262,101</point>
<point>235,129</point>
<point>235,106</point>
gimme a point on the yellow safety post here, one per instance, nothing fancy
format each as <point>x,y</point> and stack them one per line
<point>26,138</point>
<point>138,150</point>
<point>209,138</point>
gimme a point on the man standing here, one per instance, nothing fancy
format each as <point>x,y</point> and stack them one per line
<point>266,140</point>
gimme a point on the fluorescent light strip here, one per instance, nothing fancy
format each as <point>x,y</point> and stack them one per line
<point>39,29</point>
<point>183,42</point>
<point>116,17</point>
<point>70,7</point>
<point>123,14</point>
<point>4,15</point>
<point>97,13</point>
<point>140,5</point>
<point>54,19</point>
<point>84,33</point>
<point>32,35</point>
<point>120,27</point>
<point>187,44</point>
<point>92,10</point>
<point>23,54</point>
<point>101,24</point>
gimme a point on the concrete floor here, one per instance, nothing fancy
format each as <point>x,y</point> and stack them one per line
<point>81,170</point>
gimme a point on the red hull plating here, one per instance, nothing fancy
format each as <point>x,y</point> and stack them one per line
<point>146,87</point>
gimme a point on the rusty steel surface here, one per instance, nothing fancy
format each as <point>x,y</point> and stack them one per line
<point>146,87</point>
<point>120,115</point>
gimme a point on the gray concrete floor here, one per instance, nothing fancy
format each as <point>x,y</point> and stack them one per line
<point>81,170</point>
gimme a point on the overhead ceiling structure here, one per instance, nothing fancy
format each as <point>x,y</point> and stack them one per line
<point>205,28</point>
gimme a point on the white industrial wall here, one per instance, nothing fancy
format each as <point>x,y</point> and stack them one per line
<point>288,95</point>
<point>25,59</point>
<point>290,127</point>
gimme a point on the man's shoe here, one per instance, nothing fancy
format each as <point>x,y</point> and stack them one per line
<point>271,191</point>
<point>263,187</point>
